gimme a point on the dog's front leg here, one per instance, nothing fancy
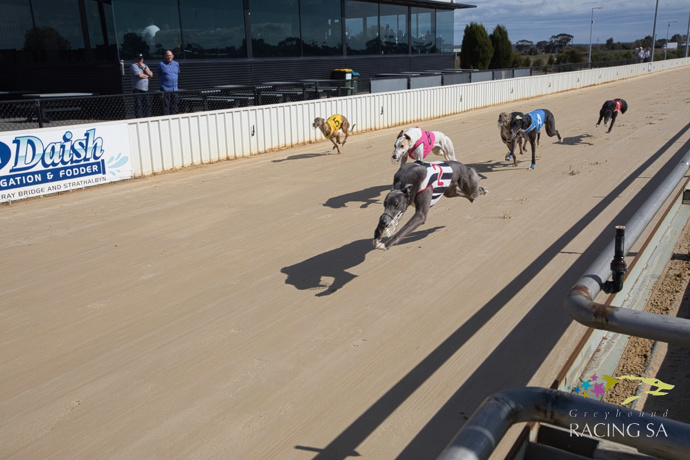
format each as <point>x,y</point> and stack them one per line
<point>613,120</point>
<point>422,204</point>
<point>417,219</point>
<point>335,144</point>
<point>532,140</point>
<point>512,150</point>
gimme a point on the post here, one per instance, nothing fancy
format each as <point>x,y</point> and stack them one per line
<point>666,44</point>
<point>687,36</point>
<point>591,23</point>
<point>656,10</point>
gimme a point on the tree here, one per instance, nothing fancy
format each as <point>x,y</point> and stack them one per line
<point>503,50</point>
<point>523,45</point>
<point>562,40</point>
<point>570,55</point>
<point>476,47</point>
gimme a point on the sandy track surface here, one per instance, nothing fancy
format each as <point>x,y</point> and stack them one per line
<point>239,310</point>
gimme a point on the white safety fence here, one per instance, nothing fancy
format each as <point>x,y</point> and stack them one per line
<point>166,143</point>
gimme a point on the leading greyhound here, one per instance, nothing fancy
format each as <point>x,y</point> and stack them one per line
<point>422,185</point>
<point>610,111</point>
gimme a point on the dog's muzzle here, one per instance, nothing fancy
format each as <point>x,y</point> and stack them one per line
<point>390,224</point>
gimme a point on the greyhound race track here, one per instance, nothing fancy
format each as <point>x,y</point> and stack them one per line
<point>238,310</point>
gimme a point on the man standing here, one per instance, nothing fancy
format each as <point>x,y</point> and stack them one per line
<point>140,74</point>
<point>168,71</point>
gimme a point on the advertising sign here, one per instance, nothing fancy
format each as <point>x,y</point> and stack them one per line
<point>57,160</point>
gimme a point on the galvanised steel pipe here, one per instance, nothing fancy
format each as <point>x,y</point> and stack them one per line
<point>580,304</point>
<point>649,433</point>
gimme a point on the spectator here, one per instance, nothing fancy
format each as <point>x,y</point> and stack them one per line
<point>168,71</point>
<point>640,54</point>
<point>140,74</point>
<point>647,55</point>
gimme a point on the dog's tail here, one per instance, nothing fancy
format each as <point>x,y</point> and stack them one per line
<point>353,127</point>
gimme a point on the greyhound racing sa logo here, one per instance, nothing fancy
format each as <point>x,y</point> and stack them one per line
<point>597,386</point>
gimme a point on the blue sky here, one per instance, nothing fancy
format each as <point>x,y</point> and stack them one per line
<point>537,20</point>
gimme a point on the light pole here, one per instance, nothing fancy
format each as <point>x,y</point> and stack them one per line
<point>687,37</point>
<point>591,23</point>
<point>666,45</point>
<point>656,10</point>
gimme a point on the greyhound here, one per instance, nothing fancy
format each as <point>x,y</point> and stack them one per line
<point>529,125</point>
<point>610,111</point>
<point>336,129</point>
<point>504,120</point>
<point>422,185</point>
<point>417,144</point>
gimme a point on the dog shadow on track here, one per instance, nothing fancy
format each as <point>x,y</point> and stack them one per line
<point>577,140</point>
<point>367,197</point>
<point>308,274</point>
<point>301,156</point>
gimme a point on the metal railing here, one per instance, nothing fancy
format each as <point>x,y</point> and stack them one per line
<point>482,433</point>
<point>580,304</point>
<point>487,426</point>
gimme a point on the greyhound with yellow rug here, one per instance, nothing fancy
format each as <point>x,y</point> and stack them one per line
<point>336,129</point>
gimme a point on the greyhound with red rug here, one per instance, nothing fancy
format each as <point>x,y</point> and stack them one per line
<point>610,111</point>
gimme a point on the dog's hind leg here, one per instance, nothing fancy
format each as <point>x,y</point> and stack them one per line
<point>551,126</point>
<point>449,150</point>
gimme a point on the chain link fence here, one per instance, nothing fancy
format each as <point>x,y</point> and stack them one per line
<point>45,110</point>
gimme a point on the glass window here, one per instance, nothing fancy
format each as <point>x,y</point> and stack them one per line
<point>444,31</point>
<point>99,15</point>
<point>213,28</point>
<point>149,28</point>
<point>321,27</point>
<point>393,29</point>
<point>421,27</point>
<point>58,30</point>
<point>275,28</point>
<point>362,27</point>
<point>16,31</point>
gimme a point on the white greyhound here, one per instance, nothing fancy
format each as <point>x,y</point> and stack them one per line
<point>417,144</point>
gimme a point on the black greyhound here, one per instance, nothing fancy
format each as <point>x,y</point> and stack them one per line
<point>609,111</point>
<point>422,185</point>
<point>529,125</point>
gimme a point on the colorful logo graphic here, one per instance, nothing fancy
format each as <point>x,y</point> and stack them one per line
<point>597,386</point>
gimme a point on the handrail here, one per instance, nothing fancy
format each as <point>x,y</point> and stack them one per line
<point>580,304</point>
<point>482,432</point>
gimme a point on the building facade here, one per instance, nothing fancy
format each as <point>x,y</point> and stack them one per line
<point>85,45</point>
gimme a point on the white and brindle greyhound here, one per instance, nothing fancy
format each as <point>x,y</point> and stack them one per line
<point>422,185</point>
<point>504,121</point>
<point>416,144</point>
